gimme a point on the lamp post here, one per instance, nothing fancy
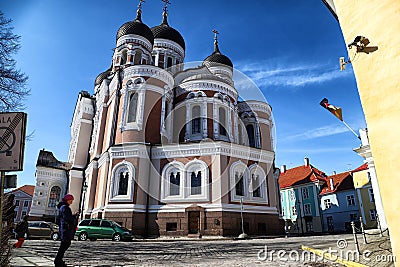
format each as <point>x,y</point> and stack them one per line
<point>84,189</point>
<point>243,235</point>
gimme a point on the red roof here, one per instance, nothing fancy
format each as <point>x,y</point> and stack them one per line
<point>361,168</point>
<point>29,189</point>
<point>341,181</point>
<point>300,175</point>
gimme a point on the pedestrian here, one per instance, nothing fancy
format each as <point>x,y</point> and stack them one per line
<point>21,229</point>
<point>68,223</point>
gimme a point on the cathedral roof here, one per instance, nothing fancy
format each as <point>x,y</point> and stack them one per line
<point>136,27</point>
<point>164,31</point>
<point>217,58</point>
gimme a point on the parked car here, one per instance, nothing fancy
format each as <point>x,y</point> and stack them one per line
<point>41,229</point>
<point>93,229</point>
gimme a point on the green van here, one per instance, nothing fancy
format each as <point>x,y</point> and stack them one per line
<point>93,229</point>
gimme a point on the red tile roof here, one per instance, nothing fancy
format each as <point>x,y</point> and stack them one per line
<point>361,168</point>
<point>300,175</point>
<point>341,181</point>
<point>29,189</point>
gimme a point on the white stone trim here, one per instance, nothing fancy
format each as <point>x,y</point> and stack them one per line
<point>160,43</point>
<point>138,123</point>
<point>129,151</point>
<point>133,38</point>
<point>214,207</point>
<point>149,71</point>
<point>114,182</point>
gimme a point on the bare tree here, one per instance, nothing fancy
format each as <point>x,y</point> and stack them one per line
<point>13,90</point>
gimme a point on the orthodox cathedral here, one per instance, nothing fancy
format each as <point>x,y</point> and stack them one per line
<point>165,150</point>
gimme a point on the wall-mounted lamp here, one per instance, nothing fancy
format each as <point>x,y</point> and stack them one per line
<point>361,43</point>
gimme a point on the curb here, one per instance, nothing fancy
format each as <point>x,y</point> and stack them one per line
<point>333,258</point>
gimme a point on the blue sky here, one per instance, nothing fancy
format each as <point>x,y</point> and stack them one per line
<point>289,48</point>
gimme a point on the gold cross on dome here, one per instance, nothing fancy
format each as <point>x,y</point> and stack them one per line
<point>215,34</point>
<point>140,4</point>
<point>166,3</point>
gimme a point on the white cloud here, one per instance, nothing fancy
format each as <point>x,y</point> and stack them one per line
<point>317,133</point>
<point>270,74</point>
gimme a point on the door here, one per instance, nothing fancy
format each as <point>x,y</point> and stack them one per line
<point>194,222</point>
<point>107,230</point>
<point>329,221</point>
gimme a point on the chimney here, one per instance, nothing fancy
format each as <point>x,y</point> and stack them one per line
<point>306,162</point>
<point>331,182</point>
<point>283,168</point>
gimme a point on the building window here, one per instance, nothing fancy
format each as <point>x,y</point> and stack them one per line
<point>292,195</point>
<point>23,214</point>
<point>256,185</point>
<point>171,227</point>
<point>133,101</point>
<point>353,217</point>
<point>309,226</point>
<point>350,200</point>
<point>222,121</point>
<point>239,185</point>
<point>372,214</point>
<point>26,203</point>
<point>305,193</point>
<point>371,195</point>
<point>174,183</point>
<point>138,57</point>
<point>327,203</point>
<point>55,193</point>
<point>16,203</point>
<point>307,209</point>
<point>294,211</point>
<point>123,57</point>
<point>195,183</point>
<point>196,120</point>
<point>169,62</point>
<point>122,182</point>
<point>40,193</point>
<point>250,135</point>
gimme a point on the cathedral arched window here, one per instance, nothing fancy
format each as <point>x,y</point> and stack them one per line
<point>54,197</point>
<point>196,120</point>
<point>222,121</point>
<point>124,57</point>
<point>172,181</point>
<point>133,105</point>
<point>239,179</point>
<point>138,57</point>
<point>258,184</point>
<point>250,135</point>
<point>195,183</point>
<point>122,182</point>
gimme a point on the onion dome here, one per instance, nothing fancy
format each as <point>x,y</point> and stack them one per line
<point>136,27</point>
<point>164,31</point>
<point>217,58</point>
<point>101,77</point>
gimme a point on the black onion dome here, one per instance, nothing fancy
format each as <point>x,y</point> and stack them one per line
<point>164,31</point>
<point>217,58</point>
<point>101,77</point>
<point>136,27</point>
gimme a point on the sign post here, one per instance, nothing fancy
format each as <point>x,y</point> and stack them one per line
<point>12,144</point>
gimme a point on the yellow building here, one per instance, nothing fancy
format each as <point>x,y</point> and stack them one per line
<point>365,195</point>
<point>379,88</point>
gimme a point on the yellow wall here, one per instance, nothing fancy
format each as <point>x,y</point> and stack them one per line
<point>360,179</point>
<point>378,84</point>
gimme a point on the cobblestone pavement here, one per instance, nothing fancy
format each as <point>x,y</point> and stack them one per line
<point>167,252</point>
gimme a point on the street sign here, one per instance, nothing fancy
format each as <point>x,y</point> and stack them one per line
<point>12,140</point>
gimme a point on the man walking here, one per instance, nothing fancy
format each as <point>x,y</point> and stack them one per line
<point>21,229</point>
<point>68,223</point>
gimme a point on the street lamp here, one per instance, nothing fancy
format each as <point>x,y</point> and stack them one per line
<point>243,235</point>
<point>84,189</point>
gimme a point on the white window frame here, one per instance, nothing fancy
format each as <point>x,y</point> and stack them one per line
<point>371,195</point>
<point>198,98</point>
<point>256,169</point>
<point>292,196</point>
<point>133,86</point>
<point>166,125</point>
<point>372,214</point>
<point>327,203</point>
<point>222,101</point>
<point>125,166</point>
<point>305,193</point>
<point>307,209</point>
<point>351,200</point>
<point>294,211</point>
<point>239,167</point>
<point>195,166</point>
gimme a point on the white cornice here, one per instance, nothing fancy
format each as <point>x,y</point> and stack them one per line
<point>207,84</point>
<point>164,43</point>
<point>212,148</point>
<point>129,151</point>
<point>133,38</point>
<point>214,207</point>
<point>149,71</point>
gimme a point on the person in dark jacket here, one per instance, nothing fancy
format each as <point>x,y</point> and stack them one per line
<point>21,229</point>
<point>68,223</point>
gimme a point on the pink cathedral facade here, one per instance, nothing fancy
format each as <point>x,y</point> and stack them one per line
<point>165,150</point>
